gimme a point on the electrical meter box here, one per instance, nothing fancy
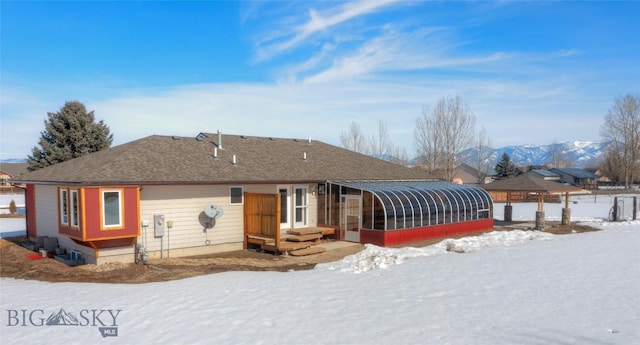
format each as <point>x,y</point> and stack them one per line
<point>159,225</point>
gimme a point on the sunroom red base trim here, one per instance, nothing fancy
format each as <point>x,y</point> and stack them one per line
<point>405,236</point>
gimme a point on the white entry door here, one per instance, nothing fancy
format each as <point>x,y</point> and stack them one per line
<point>350,220</point>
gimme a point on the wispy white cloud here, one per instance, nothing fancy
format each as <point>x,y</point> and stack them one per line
<point>314,22</point>
<point>566,52</point>
<point>394,50</point>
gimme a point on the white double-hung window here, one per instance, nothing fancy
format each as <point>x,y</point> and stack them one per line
<point>111,208</point>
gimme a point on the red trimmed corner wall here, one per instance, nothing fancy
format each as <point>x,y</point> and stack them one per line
<point>398,237</point>
<point>30,206</point>
<point>93,230</point>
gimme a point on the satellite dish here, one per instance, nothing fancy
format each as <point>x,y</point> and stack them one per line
<point>213,211</point>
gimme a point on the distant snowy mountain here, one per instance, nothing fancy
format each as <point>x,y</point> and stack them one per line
<point>580,153</point>
<point>13,160</point>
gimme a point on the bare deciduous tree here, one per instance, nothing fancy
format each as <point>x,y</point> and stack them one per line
<point>380,145</point>
<point>398,155</point>
<point>483,161</point>
<point>427,140</point>
<point>440,135</point>
<point>558,158</point>
<point>622,127</point>
<point>611,165</point>
<point>353,139</point>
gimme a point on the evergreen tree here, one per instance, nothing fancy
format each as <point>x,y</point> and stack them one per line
<point>504,168</point>
<point>71,132</point>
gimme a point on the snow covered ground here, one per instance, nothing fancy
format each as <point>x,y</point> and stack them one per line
<point>5,200</point>
<point>515,287</point>
<point>11,226</point>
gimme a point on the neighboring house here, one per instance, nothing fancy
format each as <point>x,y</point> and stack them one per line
<point>9,171</point>
<point>576,177</point>
<point>470,175</point>
<point>544,174</point>
<point>178,196</point>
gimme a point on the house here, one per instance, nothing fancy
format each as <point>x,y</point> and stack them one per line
<point>576,177</point>
<point>470,175</point>
<point>169,196</point>
<point>544,174</point>
<point>8,171</point>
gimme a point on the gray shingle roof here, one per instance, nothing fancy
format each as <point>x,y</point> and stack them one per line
<point>528,183</point>
<point>545,173</point>
<point>579,173</point>
<point>14,169</point>
<point>189,160</point>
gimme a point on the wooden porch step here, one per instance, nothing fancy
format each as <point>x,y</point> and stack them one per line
<point>303,238</point>
<point>304,231</point>
<point>259,240</point>
<point>307,251</point>
<point>311,230</point>
<point>328,231</point>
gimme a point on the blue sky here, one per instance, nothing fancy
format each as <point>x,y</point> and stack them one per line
<point>532,72</point>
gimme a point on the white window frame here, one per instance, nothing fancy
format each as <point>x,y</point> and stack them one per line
<point>241,195</point>
<point>63,199</point>
<point>74,210</point>
<point>103,208</point>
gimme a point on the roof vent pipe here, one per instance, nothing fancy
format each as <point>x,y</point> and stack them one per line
<point>234,161</point>
<point>309,140</point>
<point>220,139</point>
<point>215,153</point>
<point>304,156</point>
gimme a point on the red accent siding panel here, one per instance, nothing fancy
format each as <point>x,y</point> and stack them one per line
<point>130,215</point>
<point>398,237</point>
<point>30,205</point>
<point>69,231</point>
<point>92,212</point>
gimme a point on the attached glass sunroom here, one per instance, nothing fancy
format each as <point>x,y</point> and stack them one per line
<point>395,212</point>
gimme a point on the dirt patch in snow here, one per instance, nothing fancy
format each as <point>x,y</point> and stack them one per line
<point>14,263</point>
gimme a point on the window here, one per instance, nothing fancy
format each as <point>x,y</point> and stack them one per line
<point>111,208</point>
<point>64,207</point>
<point>236,195</point>
<point>284,205</point>
<point>74,208</point>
